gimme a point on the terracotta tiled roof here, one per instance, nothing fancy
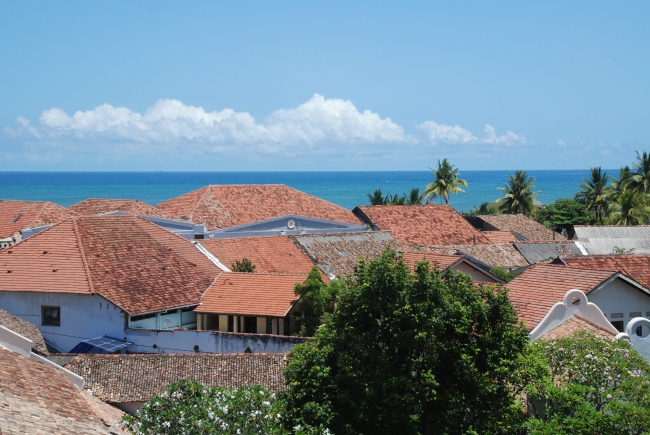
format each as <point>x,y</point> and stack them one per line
<point>222,206</point>
<point>276,254</point>
<point>578,323</point>
<point>98,206</point>
<point>140,377</point>
<point>520,224</point>
<point>36,398</point>
<point>251,294</point>
<point>422,225</point>
<point>135,264</point>
<point>435,260</point>
<point>18,215</point>
<point>536,290</point>
<point>504,255</point>
<point>24,328</point>
<point>636,267</point>
<point>337,254</point>
<point>499,237</point>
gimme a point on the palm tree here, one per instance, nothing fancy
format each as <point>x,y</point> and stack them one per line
<point>629,208</point>
<point>518,195</point>
<point>414,197</point>
<point>594,193</point>
<point>640,179</point>
<point>619,185</point>
<point>446,182</point>
<point>377,198</point>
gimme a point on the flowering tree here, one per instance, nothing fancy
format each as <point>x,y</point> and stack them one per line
<point>191,408</point>
<point>596,386</point>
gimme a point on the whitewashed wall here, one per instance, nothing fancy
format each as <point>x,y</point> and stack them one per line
<point>183,341</point>
<point>476,274</point>
<point>620,297</point>
<point>82,316</point>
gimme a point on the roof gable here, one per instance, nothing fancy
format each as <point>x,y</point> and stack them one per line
<point>251,294</point>
<point>636,267</point>
<point>536,290</point>
<point>222,206</point>
<point>276,254</point>
<point>422,225</point>
<point>18,215</point>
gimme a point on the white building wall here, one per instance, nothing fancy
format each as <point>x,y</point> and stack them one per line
<point>183,341</point>
<point>618,297</point>
<point>476,275</point>
<point>82,316</point>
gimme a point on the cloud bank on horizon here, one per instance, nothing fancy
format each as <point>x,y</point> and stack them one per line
<point>171,125</point>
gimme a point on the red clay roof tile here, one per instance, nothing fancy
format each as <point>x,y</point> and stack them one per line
<point>276,254</point>
<point>18,215</point>
<point>636,267</point>
<point>435,260</point>
<point>499,237</point>
<point>222,206</point>
<point>135,264</point>
<point>99,206</point>
<point>251,294</point>
<point>520,224</point>
<point>536,290</point>
<point>423,225</point>
<point>577,323</point>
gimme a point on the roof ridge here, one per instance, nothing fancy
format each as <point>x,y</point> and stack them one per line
<point>205,190</point>
<point>83,254</point>
<point>40,211</point>
<point>592,323</point>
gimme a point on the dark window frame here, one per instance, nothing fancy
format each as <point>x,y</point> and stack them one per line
<point>50,315</point>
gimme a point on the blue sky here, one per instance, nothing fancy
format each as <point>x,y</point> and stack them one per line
<point>323,85</point>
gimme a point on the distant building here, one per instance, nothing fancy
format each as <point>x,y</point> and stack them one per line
<point>520,226</point>
<point>502,255</point>
<point>603,240</point>
<point>21,219</point>
<point>457,263</point>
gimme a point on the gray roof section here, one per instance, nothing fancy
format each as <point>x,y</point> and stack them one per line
<point>599,240</point>
<point>536,252</point>
<point>337,254</point>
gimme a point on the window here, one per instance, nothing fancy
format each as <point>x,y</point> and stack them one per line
<point>269,325</point>
<point>250,325</point>
<point>51,316</point>
<point>618,324</point>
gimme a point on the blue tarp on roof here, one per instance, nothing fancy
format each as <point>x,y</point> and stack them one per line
<point>103,344</point>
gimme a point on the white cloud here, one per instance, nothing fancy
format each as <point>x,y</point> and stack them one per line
<point>446,133</point>
<point>509,138</point>
<point>171,121</point>
<point>561,142</point>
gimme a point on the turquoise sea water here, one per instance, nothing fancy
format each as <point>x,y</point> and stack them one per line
<point>347,189</point>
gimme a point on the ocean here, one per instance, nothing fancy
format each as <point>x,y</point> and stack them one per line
<point>347,189</point>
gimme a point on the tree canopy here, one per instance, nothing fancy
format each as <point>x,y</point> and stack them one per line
<point>419,353</point>
<point>595,192</point>
<point>446,181</point>
<point>564,214</point>
<point>518,195</point>
<point>243,265</point>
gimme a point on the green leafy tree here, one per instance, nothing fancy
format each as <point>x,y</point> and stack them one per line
<point>486,208</point>
<point>518,195</point>
<point>503,273</point>
<point>377,198</point>
<point>243,265</point>
<point>316,300</point>
<point>629,208</point>
<point>618,185</point>
<point>191,408</point>
<point>564,214</point>
<point>595,193</point>
<point>595,386</point>
<point>414,197</point>
<point>446,181</point>
<point>640,177</point>
<point>412,353</point>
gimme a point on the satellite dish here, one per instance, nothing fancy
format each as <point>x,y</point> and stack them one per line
<point>168,322</point>
<point>291,224</point>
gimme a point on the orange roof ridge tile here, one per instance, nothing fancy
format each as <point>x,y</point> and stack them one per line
<point>206,189</point>
<point>594,324</point>
<point>83,255</point>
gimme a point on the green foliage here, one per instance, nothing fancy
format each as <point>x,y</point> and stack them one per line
<point>595,193</point>
<point>618,250</point>
<point>316,300</point>
<point>243,265</point>
<point>486,208</point>
<point>518,195</point>
<point>595,386</point>
<point>629,208</point>
<point>412,353</point>
<point>413,198</point>
<point>446,181</point>
<point>564,214</point>
<point>191,408</point>
<point>503,273</point>
<point>640,178</point>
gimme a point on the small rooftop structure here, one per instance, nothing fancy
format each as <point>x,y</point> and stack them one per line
<point>421,225</point>
<point>534,252</point>
<point>500,255</point>
<point>458,263</point>
<point>337,254</point>
<point>636,267</point>
<point>25,329</point>
<point>224,206</point>
<point>127,381</point>
<point>272,254</point>
<point>602,240</point>
<point>523,227</point>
